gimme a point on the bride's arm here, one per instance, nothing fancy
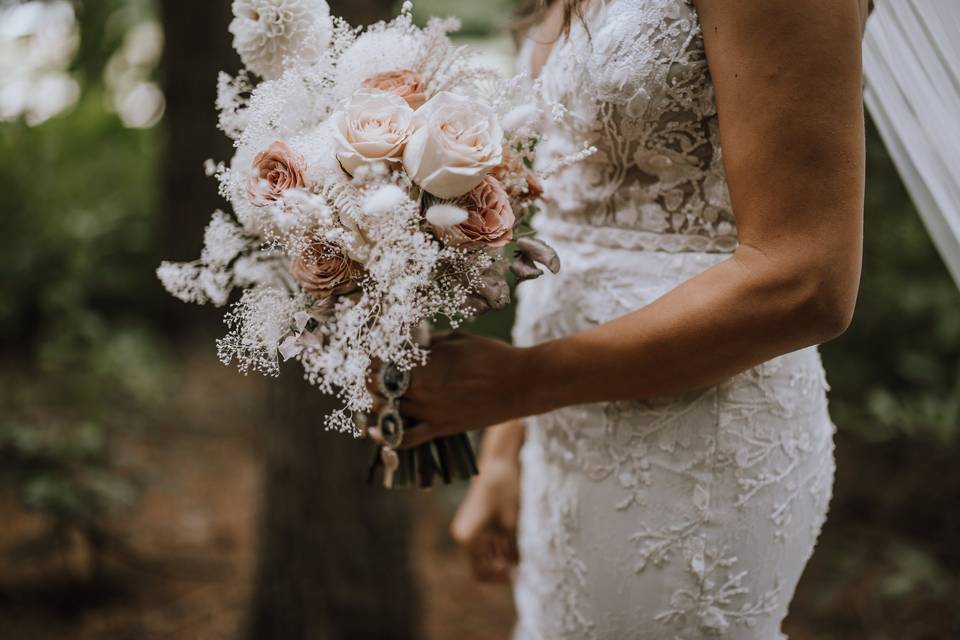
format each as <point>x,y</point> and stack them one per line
<point>787,78</point>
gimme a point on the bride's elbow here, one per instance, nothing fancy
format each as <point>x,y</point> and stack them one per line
<point>825,302</point>
<point>810,300</point>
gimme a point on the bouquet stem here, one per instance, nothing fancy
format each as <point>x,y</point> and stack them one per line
<point>448,459</point>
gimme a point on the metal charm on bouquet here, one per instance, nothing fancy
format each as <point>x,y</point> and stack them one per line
<point>449,458</point>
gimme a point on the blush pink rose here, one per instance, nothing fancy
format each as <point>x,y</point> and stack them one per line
<point>278,168</point>
<point>324,271</point>
<point>407,84</point>
<point>490,217</point>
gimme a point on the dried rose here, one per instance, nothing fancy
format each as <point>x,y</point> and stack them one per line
<point>323,270</point>
<point>405,83</point>
<point>278,168</point>
<point>490,217</point>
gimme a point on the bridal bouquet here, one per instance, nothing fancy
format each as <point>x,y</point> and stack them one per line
<point>381,181</point>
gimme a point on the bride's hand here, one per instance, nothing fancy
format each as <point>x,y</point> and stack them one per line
<point>469,382</point>
<point>486,522</point>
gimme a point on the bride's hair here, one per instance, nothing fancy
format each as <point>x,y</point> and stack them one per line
<point>530,12</point>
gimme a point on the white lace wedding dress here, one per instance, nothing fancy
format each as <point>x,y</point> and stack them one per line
<point>677,518</point>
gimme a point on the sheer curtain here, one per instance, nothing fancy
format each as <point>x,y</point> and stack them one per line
<point>912,67</point>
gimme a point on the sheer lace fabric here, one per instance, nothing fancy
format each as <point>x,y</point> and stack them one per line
<point>675,518</point>
<point>638,85</point>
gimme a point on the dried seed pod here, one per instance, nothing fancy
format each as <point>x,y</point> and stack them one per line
<point>525,269</point>
<point>495,292</point>
<point>539,251</point>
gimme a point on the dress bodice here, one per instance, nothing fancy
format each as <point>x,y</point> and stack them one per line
<point>634,76</point>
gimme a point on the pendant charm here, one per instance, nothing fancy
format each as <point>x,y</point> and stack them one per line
<point>391,462</point>
<point>391,427</point>
<point>392,382</point>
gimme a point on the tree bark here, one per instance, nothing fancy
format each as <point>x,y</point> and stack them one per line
<point>334,557</point>
<point>197,47</point>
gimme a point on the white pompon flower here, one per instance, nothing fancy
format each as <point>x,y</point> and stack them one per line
<point>519,117</point>
<point>267,31</point>
<point>446,215</point>
<point>384,200</point>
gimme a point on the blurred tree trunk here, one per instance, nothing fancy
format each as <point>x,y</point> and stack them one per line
<point>364,12</point>
<point>197,47</point>
<point>334,556</point>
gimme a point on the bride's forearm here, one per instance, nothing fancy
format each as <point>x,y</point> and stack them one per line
<point>734,316</point>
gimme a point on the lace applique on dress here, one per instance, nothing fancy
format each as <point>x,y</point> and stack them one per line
<point>638,84</point>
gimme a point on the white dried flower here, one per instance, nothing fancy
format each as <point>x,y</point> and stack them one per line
<point>446,215</point>
<point>258,323</point>
<point>267,31</point>
<point>518,117</point>
<point>384,200</point>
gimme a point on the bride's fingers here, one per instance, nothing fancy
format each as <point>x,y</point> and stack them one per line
<point>491,564</point>
<point>483,557</point>
<point>507,547</point>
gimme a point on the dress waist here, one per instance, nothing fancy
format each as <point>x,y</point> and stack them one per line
<point>631,239</point>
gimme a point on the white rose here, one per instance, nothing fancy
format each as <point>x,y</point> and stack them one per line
<point>456,142</point>
<point>374,127</point>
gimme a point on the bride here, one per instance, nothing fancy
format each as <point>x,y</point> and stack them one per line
<point>676,460</point>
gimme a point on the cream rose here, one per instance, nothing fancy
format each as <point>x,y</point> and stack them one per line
<point>323,271</point>
<point>374,127</point>
<point>456,142</point>
<point>490,217</point>
<point>277,169</point>
<point>405,83</point>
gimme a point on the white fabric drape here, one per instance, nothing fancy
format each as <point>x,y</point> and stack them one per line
<point>912,67</point>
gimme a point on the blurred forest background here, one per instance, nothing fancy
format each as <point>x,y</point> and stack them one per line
<point>148,492</point>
